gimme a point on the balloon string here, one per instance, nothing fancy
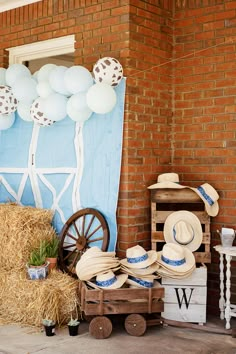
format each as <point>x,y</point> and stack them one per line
<point>231,40</point>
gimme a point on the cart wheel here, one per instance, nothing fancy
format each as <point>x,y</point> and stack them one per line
<point>84,229</point>
<point>135,325</point>
<point>100,327</point>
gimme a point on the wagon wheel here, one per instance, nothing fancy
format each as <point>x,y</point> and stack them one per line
<point>100,327</point>
<point>135,325</point>
<point>84,229</point>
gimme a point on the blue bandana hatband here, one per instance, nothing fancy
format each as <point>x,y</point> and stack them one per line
<point>146,284</point>
<point>173,263</point>
<point>105,283</point>
<point>205,196</point>
<point>137,259</point>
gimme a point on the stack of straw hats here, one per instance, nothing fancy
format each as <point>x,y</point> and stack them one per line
<point>140,266</point>
<point>175,261</point>
<point>96,262</point>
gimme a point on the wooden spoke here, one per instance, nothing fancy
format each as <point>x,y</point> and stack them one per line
<point>95,240</point>
<point>73,237</point>
<point>76,229</point>
<point>68,259</point>
<point>90,224</point>
<point>94,231</point>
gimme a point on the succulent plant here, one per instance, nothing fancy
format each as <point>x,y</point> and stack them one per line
<point>47,322</point>
<point>73,322</point>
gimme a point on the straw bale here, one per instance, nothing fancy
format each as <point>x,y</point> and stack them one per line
<point>22,228</point>
<point>29,301</point>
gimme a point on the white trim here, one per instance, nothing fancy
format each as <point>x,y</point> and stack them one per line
<point>43,49</point>
<point>13,4</point>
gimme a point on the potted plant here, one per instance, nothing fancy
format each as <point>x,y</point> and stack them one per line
<point>52,252</point>
<point>37,265</point>
<point>49,326</point>
<point>73,326</point>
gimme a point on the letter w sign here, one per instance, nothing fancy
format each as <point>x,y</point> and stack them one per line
<point>183,297</point>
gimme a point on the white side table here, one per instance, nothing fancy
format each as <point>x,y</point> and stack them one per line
<point>227,310</point>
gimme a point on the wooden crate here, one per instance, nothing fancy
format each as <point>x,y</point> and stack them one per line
<point>166,201</point>
<point>121,301</point>
<point>185,299</point>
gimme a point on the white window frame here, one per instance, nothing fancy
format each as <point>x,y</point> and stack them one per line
<point>13,4</point>
<point>42,49</point>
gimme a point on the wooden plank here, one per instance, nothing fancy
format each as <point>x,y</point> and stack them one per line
<point>202,257</point>
<point>159,216</point>
<point>124,294</point>
<point>194,313</point>
<point>185,195</point>
<point>110,308</point>
<point>158,236</point>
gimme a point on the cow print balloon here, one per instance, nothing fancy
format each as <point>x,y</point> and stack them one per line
<point>108,70</point>
<point>37,114</point>
<point>8,103</point>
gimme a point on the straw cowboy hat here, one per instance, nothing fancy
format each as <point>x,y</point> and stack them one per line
<point>137,257</point>
<point>167,180</point>
<point>140,282</point>
<point>209,196</point>
<point>177,258</point>
<point>184,228</point>
<point>108,280</point>
<point>140,271</point>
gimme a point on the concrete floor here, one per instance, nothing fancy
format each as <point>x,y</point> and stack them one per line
<point>157,340</point>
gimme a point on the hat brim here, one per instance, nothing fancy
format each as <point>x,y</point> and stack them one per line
<point>211,210</point>
<point>120,280</point>
<point>141,271</point>
<point>192,219</point>
<point>183,268</point>
<point>173,185</point>
<point>152,257</point>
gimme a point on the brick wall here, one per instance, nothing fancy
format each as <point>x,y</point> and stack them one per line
<point>179,115</point>
<point>204,125</point>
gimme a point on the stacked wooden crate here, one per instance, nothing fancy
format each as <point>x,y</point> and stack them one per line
<point>185,300</point>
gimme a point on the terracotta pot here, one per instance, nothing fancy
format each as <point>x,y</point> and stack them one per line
<point>52,263</point>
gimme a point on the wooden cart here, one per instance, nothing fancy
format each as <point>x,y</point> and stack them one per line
<point>99,303</point>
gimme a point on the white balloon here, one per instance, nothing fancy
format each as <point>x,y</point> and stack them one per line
<point>45,71</point>
<point>23,109</point>
<point>101,98</point>
<point>8,102</point>
<point>44,89</point>
<point>37,113</point>
<point>7,121</point>
<point>77,79</point>
<point>108,70</point>
<point>3,76</point>
<point>79,116</point>
<point>56,80</point>
<point>24,89</point>
<point>16,71</point>
<point>54,106</point>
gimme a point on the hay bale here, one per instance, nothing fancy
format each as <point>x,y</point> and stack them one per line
<point>29,301</point>
<point>22,228</point>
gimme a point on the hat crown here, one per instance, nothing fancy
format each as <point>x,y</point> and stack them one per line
<point>168,177</point>
<point>173,252</point>
<point>105,276</point>
<point>183,232</point>
<point>136,252</point>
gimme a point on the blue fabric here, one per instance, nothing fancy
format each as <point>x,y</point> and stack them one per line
<point>205,196</point>
<point>145,283</point>
<point>173,263</point>
<point>102,138</point>
<point>138,259</point>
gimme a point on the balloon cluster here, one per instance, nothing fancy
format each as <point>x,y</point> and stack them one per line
<point>54,92</point>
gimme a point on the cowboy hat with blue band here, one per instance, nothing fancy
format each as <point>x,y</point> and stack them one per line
<point>108,280</point>
<point>167,180</point>
<point>137,257</point>
<point>176,258</point>
<point>184,228</point>
<point>210,197</point>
